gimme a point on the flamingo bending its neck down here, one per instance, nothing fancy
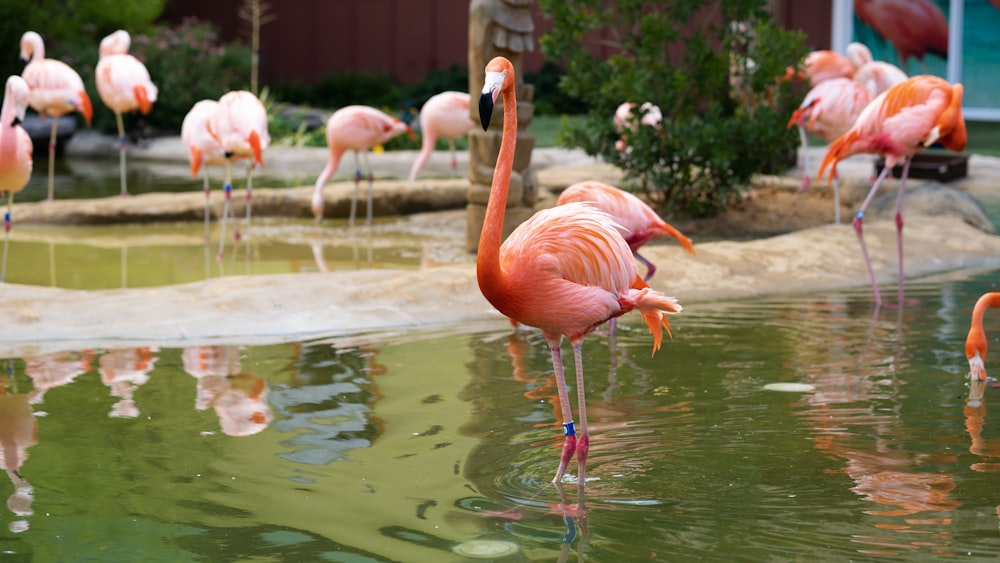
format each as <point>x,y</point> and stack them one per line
<point>240,125</point>
<point>355,128</point>
<point>637,222</point>
<point>203,146</point>
<point>124,85</point>
<point>828,111</point>
<point>975,342</point>
<point>15,151</point>
<point>898,124</point>
<point>56,90</point>
<point>566,270</point>
<point>445,116</point>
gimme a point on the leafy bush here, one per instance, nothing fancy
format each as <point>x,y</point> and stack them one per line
<point>188,63</point>
<point>718,130</point>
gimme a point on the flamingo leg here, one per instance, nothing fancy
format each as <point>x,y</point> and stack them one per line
<point>7,223</point>
<point>121,151</point>
<point>454,159</point>
<point>858,218</point>
<point>806,179</point>
<point>52,157</point>
<point>250,167</point>
<point>583,442</point>
<point>836,198</point>
<point>899,224</point>
<point>650,268</point>
<point>227,189</point>
<point>371,182</point>
<point>357,184</point>
<point>569,445</point>
<point>208,194</point>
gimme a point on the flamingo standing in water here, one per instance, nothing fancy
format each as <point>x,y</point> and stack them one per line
<point>898,124</point>
<point>56,90</point>
<point>445,116</point>
<point>124,85</point>
<point>240,125</point>
<point>203,146</point>
<point>637,222</point>
<point>355,128</point>
<point>15,151</point>
<point>566,270</point>
<point>975,342</point>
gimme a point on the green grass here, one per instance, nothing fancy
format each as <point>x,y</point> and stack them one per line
<point>545,128</point>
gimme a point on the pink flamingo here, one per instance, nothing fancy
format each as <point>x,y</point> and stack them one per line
<point>975,342</point>
<point>828,111</point>
<point>825,64</point>
<point>913,27</point>
<point>650,116</point>
<point>15,151</point>
<point>124,85</point>
<point>446,116</point>
<point>355,128</point>
<point>637,222</point>
<point>203,146</point>
<point>56,90</point>
<point>240,125</point>
<point>898,124</point>
<point>876,76</point>
<point>566,270</point>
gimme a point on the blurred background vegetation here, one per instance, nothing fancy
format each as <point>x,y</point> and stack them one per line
<point>573,102</point>
<point>189,63</point>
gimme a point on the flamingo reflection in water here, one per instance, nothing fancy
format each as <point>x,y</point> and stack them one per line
<point>55,369</point>
<point>855,418</point>
<point>239,398</point>
<point>18,432</point>
<point>124,371</point>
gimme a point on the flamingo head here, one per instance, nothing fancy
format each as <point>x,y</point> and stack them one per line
<point>317,206</point>
<point>975,351</point>
<point>32,46</point>
<point>499,76</point>
<point>116,43</point>
<point>17,90</point>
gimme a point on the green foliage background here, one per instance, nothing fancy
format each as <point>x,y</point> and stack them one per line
<point>678,55</point>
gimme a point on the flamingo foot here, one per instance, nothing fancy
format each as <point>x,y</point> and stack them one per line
<point>806,182</point>
<point>569,447</point>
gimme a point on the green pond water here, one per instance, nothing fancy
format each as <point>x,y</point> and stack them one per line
<point>429,446</point>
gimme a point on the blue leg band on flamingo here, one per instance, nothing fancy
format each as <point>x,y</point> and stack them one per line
<point>569,428</point>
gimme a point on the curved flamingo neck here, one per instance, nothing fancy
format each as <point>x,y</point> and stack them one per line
<point>976,341</point>
<point>488,256</point>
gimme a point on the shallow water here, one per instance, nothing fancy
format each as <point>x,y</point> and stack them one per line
<point>398,447</point>
<point>407,446</point>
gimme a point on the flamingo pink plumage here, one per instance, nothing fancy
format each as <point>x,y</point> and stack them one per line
<point>203,146</point>
<point>444,116</point>
<point>898,124</point>
<point>566,270</point>
<point>124,86</point>
<point>355,128</point>
<point>637,222</point>
<point>828,111</point>
<point>240,125</point>
<point>913,27</point>
<point>15,151</point>
<point>976,342</point>
<point>56,90</point>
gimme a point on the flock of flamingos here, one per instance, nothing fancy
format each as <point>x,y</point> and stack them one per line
<point>568,269</point>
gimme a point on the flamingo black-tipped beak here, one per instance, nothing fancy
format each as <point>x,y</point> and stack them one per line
<point>486,109</point>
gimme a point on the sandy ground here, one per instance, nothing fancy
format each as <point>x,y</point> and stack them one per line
<point>812,254</point>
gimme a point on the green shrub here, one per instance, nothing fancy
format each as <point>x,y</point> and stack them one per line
<point>678,55</point>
